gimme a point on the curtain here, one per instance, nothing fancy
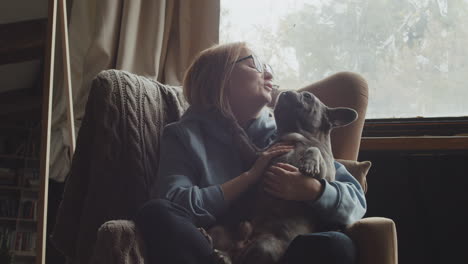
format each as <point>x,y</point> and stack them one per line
<point>154,38</point>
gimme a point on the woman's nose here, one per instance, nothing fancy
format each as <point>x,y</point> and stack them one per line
<point>267,75</point>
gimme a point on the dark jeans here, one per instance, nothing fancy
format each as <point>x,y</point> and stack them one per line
<point>171,236</point>
<point>322,248</point>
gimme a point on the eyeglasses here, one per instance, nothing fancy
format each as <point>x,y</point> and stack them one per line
<point>260,67</point>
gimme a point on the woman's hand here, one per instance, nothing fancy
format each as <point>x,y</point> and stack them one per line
<point>262,162</point>
<point>287,182</point>
<point>234,187</point>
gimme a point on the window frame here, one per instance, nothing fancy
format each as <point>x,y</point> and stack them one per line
<point>438,133</point>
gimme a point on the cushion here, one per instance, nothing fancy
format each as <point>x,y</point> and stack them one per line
<point>358,169</point>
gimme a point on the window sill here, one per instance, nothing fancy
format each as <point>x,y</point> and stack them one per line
<point>414,143</point>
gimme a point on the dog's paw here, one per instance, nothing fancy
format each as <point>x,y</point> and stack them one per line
<point>206,235</point>
<point>309,168</point>
<point>220,257</point>
<point>309,163</point>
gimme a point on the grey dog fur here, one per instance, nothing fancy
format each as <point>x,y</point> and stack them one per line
<point>304,121</point>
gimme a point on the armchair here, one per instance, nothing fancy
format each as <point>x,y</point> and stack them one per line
<point>113,174</point>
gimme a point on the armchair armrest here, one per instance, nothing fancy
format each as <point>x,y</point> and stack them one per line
<point>376,240</point>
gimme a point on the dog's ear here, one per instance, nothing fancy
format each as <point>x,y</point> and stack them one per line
<point>341,116</point>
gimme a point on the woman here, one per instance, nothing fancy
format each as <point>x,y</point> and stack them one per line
<point>207,164</point>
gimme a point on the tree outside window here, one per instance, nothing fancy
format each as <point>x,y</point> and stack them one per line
<point>412,52</point>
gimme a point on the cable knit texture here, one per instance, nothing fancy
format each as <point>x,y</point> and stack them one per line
<point>118,242</point>
<point>116,160</point>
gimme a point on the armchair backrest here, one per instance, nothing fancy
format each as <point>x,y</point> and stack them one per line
<point>116,159</point>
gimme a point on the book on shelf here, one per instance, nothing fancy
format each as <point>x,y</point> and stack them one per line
<point>30,176</point>
<point>28,209</point>
<point>24,177</point>
<point>7,177</point>
<point>6,237</point>
<point>26,241</point>
<point>8,207</point>
<point>18,241</point>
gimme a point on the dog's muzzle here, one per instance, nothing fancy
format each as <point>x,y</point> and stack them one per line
<point>289,98</point>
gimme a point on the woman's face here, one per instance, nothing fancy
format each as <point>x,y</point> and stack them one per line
<point>248,88</point>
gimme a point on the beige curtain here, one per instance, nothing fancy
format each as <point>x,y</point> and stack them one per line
<point>154,38</point>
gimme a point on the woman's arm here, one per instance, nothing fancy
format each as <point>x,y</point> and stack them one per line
<point>179,177</point>
<point>234,188</point>
<point>343,201</point>
<point>340,202</point>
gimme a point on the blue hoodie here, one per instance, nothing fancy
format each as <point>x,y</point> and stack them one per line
<point>197,156</point>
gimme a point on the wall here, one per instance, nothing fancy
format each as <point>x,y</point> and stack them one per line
<point>16,11</point>
<point>425,193</point>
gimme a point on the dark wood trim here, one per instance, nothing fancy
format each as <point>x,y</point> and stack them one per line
<point>22,41</point>
<point>411,127</point>
<point>423,143</point>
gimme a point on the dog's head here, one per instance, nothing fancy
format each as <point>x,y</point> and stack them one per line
<point>298,111</point>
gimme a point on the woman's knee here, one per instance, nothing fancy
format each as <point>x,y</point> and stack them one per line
<point>153,211</point>
<point>329,240</point>
<point>336,241</point>
<point>328,247</point>
<point>341,248</point>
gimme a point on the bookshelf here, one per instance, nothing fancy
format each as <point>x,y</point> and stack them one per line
<point>25,124</point>
<point>22,58</point>
<point>19,191</point>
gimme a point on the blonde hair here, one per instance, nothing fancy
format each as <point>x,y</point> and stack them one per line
<point>206,80</point>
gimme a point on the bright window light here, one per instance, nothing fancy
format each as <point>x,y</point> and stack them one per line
<point>413,53</point>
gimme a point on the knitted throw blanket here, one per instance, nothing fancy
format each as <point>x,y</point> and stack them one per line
<point>116,160</point>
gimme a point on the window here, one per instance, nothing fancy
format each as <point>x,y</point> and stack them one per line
<point>412,52</point>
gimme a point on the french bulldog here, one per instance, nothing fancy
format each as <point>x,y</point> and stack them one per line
<point>304,121</point>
